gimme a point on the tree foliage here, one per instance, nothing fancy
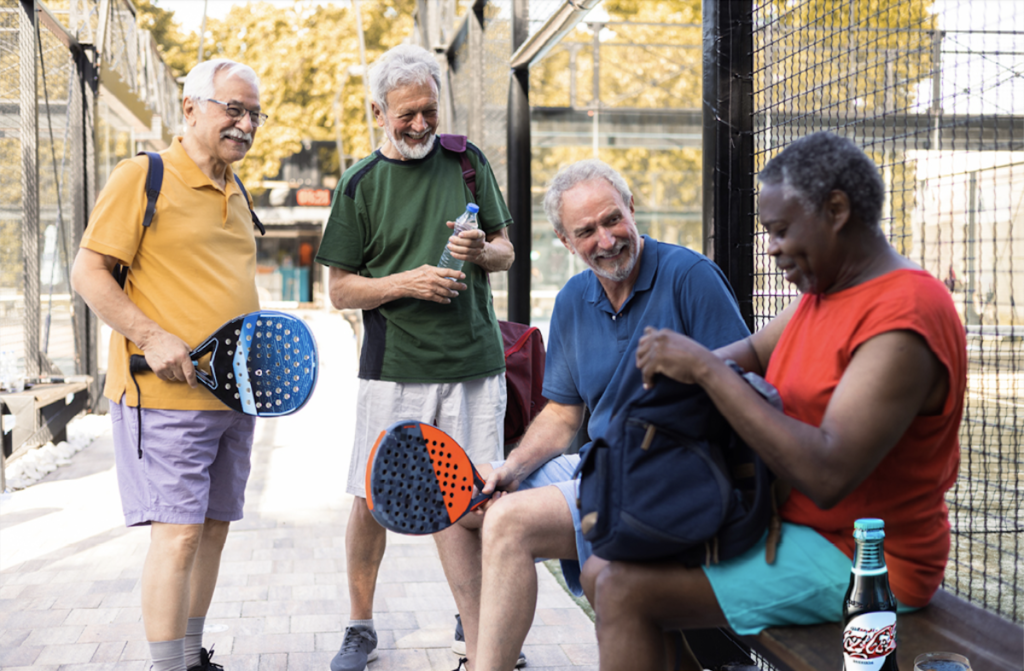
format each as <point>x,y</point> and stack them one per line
<point>302,55</point>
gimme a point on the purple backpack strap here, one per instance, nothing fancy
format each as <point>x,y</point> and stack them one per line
<point>457,144</point>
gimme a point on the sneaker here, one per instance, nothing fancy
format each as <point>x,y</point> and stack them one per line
<point>204,662</point>
<point>459,644</point>
<point>358,647</point>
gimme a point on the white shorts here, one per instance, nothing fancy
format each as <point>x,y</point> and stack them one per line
<point>472,412</point>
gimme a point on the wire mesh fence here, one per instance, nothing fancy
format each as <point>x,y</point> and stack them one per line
<point>12,305</point>
<point>41,127</point>
<point>933,91</point>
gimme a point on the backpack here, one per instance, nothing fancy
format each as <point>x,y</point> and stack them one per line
<point>524,378</point>
<point>670,479</point>
<point>524,345</point>
<point>154,181</point>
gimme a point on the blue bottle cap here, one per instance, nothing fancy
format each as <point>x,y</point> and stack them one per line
<point>473,207</point>
<point>869,524</point>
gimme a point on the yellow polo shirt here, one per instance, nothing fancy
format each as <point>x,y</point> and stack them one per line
<point>191,271</point>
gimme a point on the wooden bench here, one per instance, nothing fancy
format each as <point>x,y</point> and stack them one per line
<point>948,624</point>
<point>40,414</point>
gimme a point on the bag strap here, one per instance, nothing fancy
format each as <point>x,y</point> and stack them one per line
<point>457,145</point>
<point>245,194</point>
<point>154,180</point>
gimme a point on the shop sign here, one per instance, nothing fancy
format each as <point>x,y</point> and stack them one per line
<point>313,197</point>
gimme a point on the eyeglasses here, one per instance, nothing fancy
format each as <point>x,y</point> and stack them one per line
<point>236,111</point>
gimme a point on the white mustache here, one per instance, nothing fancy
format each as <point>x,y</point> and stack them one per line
<point>236,134</point>
<point>614,252</point>
<point>418,136</point>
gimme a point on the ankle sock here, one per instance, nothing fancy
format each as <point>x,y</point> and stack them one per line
<point>362,624</point>
<point>168,655</point>
<point>193,640</point>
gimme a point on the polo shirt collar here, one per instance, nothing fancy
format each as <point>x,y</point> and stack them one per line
<point>190,172</point>
<point>644,281</point>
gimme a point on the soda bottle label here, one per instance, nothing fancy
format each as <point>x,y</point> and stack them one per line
<point>868,640</point>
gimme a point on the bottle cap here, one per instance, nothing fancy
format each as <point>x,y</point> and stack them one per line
<point>473,207</point>
<point>869,524</point>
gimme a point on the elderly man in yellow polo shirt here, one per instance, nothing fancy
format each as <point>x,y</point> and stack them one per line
<point>190,271</point>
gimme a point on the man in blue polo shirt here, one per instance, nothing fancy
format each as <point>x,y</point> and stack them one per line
<point>599,316</point>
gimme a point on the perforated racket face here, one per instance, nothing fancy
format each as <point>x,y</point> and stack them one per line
<point>269,364</point>
<point>419,480</point>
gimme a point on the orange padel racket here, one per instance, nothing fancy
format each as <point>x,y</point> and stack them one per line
<point>419,480</point>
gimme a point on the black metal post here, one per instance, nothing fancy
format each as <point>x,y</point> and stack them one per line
<point>519,178</point>
<point>728,182</point>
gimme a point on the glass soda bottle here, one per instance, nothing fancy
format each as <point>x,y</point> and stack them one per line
<point>465,222</point>
<point>869,609</point>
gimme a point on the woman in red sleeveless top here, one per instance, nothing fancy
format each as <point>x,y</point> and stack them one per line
<point>871,365</point>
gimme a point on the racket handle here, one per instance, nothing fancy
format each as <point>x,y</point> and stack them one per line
<point>138,364</point>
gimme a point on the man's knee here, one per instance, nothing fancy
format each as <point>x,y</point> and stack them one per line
<point>503,524</point>
<point>179,542</point>
<point>215,532</point>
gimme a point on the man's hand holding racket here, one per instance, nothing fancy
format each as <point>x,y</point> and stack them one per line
<point>169,357</point>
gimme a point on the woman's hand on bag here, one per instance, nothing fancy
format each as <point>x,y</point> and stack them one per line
<point>665,352</point>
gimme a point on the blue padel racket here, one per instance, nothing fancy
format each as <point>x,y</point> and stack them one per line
<point>419,480</point>
<point>262,363</point>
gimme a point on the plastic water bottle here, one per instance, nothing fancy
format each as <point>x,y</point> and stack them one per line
<point>465,222</point>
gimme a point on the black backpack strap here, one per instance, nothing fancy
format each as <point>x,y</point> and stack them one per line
<point>245,194</point>
<point>457,145</point>
<point>154,180</point>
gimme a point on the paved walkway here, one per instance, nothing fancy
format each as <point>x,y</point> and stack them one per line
<point>69,569</point>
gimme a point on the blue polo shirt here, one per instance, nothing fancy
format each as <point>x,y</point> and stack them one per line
<point>591,347</point>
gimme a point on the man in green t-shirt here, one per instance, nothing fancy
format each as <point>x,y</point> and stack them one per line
<point>432,350</point>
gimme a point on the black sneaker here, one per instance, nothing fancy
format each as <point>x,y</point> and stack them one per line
<point>357,648</point>
<point>459,644</point>
<point>204,662</point>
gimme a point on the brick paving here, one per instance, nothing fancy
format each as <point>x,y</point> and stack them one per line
<point>69,569</point>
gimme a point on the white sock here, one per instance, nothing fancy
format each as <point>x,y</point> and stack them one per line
<point>362,624</point>
<point>168,655</point>
<point>193,640</point>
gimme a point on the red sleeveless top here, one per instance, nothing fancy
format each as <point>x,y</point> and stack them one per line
<point>907,488</point>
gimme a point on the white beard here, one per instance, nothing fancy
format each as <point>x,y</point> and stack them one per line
<point>411,153</point>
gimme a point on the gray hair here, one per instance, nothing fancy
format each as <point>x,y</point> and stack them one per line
<point>576,173</point>
<point>817,164</point>
<point>400,66</point>
<point>199,84</point>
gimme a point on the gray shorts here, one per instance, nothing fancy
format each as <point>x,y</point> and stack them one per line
<point>473,413</point>
<point>194,464</point>
<point>558,472</point>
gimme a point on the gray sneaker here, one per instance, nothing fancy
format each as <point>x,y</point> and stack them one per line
<point>357,648</point>
<point>459,644</point>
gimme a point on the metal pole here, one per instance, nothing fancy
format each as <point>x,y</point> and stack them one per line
<point>519,177</point>
<point>29,107</point>
<point>597,85</point>
<point>202,35</point>
<point>342,163</point>
<point>366,76</point>
<point>728,183</point>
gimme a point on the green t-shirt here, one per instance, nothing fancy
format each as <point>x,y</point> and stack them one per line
<point>389,216</point>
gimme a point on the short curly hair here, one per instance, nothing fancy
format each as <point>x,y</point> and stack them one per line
<point>817,164</point>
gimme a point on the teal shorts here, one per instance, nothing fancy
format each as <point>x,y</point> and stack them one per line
<point>806,584</point>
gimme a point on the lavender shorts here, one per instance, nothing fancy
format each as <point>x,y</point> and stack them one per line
<point>194,464</point>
